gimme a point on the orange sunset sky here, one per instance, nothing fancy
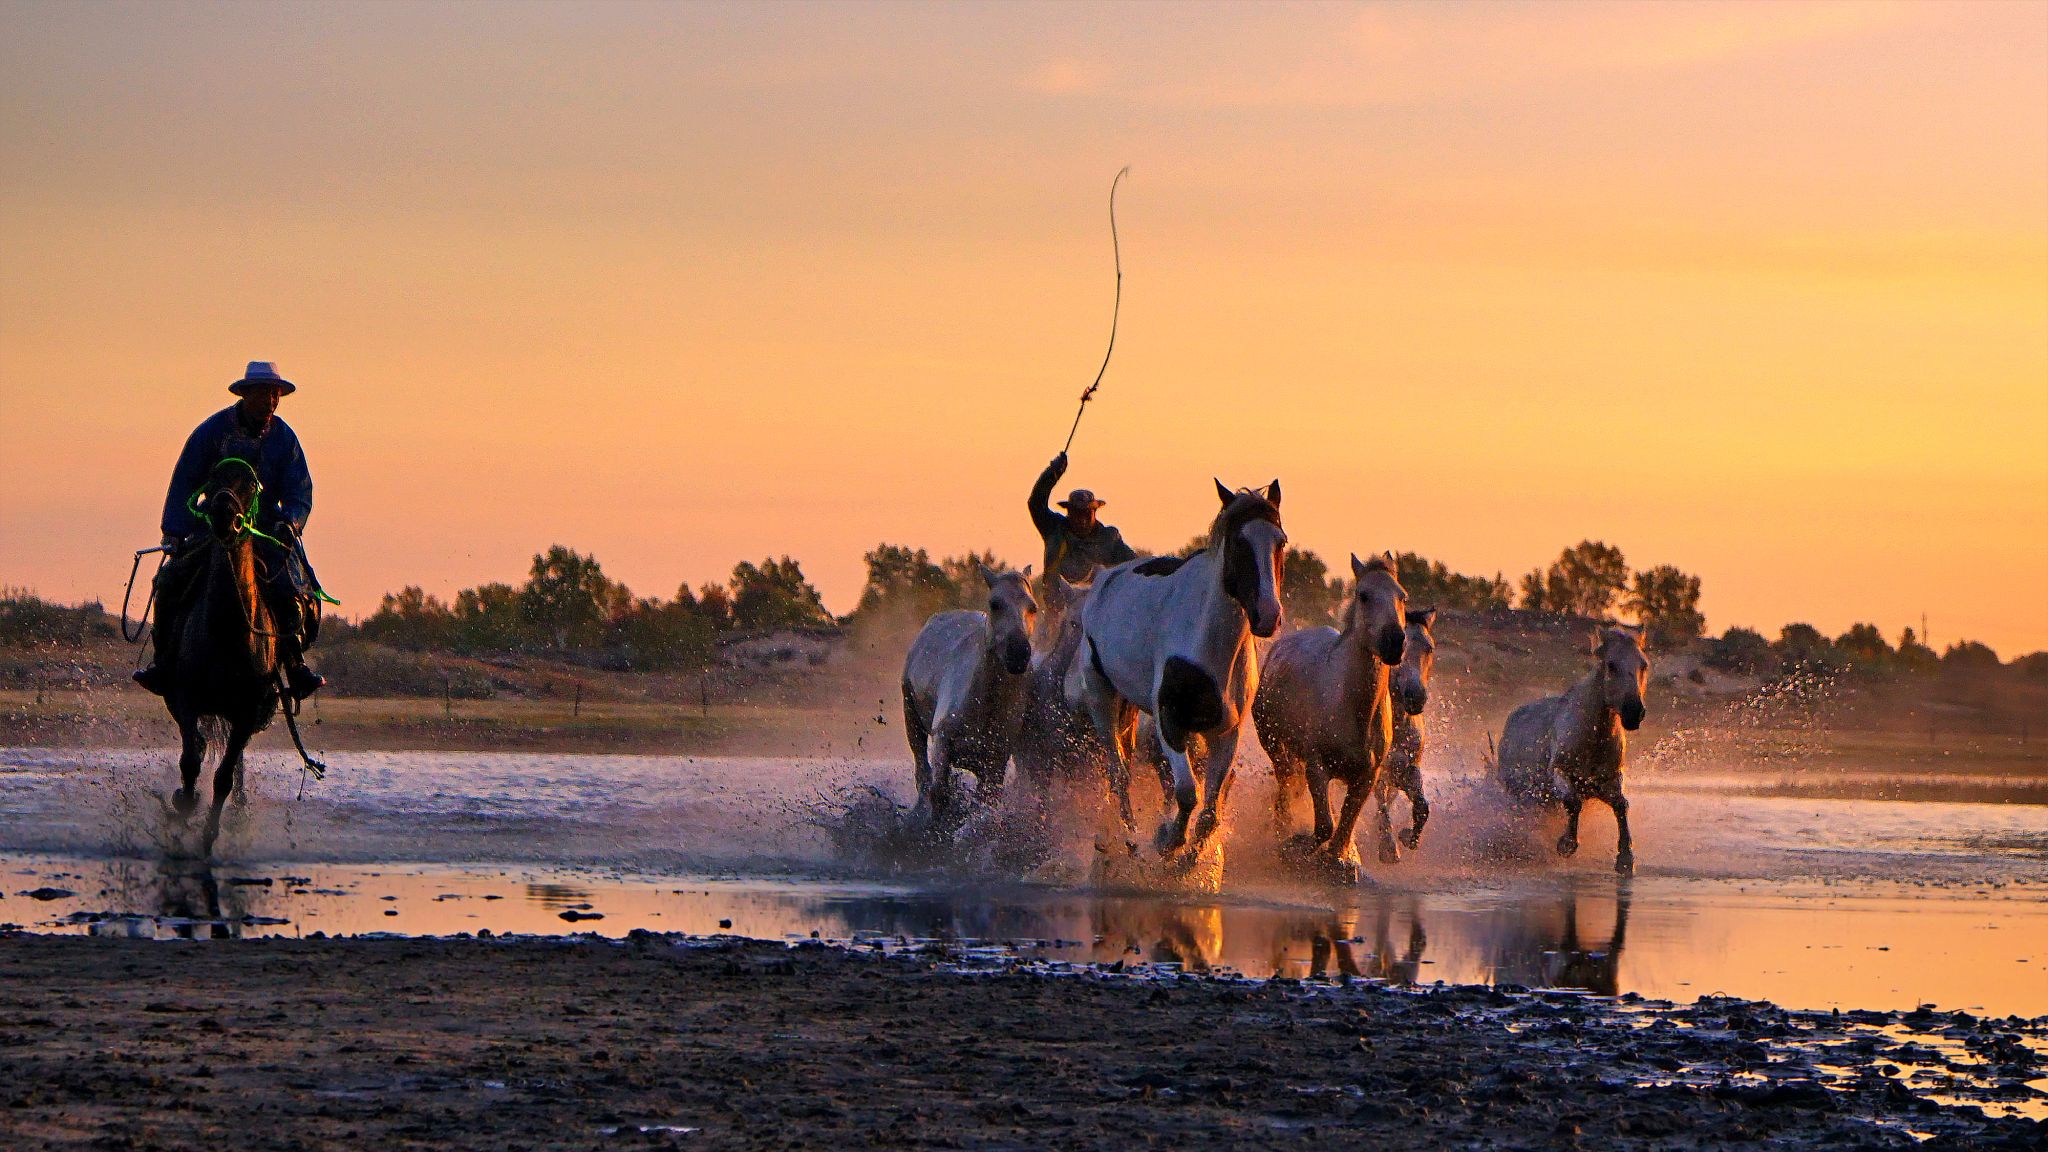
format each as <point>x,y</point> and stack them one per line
<point>1757,289</point>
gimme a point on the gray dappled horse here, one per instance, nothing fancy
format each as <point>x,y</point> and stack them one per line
<point>1324,711</point>
<point>1058,743</point>
<point>224,674</point>
<point>1172,638</point>
<point>963,694</point>
<point>1409,690</point>
<point>1561,751</point>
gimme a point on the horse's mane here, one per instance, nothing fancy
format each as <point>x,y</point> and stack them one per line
<point>1380,563</point>
<point>1245,508</point>
<point>1160,565</point>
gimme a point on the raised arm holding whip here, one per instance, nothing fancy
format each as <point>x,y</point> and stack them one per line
<point>1075,542</point>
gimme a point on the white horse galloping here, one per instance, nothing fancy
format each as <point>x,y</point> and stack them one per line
<point>1409,692</point>
<point>1324,711</point>
<point>963,693</point>
<point>1564,750</point>
<point>1172,638</point>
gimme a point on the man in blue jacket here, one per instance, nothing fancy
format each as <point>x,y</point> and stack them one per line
<point>250,429</point>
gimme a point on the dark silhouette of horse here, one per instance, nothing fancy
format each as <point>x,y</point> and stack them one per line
<point>224,672</point>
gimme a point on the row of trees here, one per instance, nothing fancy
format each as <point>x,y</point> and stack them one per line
<point>568,604</point>
<point>1592,578</point>
<point>1804,648</point>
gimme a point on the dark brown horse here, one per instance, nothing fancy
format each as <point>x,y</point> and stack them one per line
<point>224,673</point>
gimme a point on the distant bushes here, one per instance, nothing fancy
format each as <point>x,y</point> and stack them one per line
<point>569,605</point>
<point>1802,648</point>
<point>29,621</point>
<point>361,668</point>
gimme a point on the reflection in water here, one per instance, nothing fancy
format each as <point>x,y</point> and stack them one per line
<point>558,896</point>
<point>1538,945</point>
<point>1812,946</point>
<point>1338,948</point>
<point>183,898</point>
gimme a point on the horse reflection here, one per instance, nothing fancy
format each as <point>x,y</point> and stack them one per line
<point>1159,933</point>
<point>1542,947</point>
<point>179,899</point>
<point>1339,946</point>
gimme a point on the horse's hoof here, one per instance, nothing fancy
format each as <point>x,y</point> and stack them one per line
<point>1566,846</point>
<point>1169,837</point>
<point>1625,864</point>
<point>183,802</point>
<point>1411,838</point>
<point>1388,853</point>
<point>1342,872</point>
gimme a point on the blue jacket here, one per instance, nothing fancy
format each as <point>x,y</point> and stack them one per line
<point>280,464</point>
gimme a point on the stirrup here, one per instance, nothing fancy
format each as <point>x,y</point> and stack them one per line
<point>152,679</point>
<point>302,681</point>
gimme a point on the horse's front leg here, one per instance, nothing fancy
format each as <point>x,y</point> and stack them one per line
<point>224,778</point>
<point>1418,805</point>
<point>1110,715</point>
<point>938,789</point>
<point>191,755</point>
<point>1625,851</point>
<point>1318,775</point>
<point>1358,787</point>
<point>1173,831</point>
<point>1568,844</point>
<point>1288,778</point>
<point>1383,821</point>
<point>1220,755</point>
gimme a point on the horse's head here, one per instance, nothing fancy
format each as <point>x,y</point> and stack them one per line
<point>227,501</point>
<point>1418,662</point>
<point>1378,607</point>
<point>1247,532</point>
<point>1060,609</point>
<point>1012,610</point>
<point>1624,672</point>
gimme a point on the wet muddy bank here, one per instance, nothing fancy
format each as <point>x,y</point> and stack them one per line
<point>663,1041</point>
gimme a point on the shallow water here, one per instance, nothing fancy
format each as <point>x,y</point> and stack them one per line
<point>1809,903</point>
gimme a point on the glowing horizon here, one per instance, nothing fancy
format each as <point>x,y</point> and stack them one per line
<point>1760,291</point>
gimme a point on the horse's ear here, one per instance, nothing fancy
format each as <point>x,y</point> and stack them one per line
<point>1273,492</point>
<point>1095,572</point>
<point>1027,572</point>
<point>1423,616</point>
<point>988,574</point>
<point>1224,494</point>
<point>1357,567</point>
<point>1593,645</point>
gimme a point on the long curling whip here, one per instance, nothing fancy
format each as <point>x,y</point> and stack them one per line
<point>1116,308</point>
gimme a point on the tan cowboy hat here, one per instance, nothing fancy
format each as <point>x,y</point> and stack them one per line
<point>262,373</point>
<point>1081,498</point>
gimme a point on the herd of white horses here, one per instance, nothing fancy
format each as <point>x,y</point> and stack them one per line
<point>1158,660</point>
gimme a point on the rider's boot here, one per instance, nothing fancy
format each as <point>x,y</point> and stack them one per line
<point>302,681</point>
<point>299,680</point>
<point>154,678</point>
<point>157,677</point>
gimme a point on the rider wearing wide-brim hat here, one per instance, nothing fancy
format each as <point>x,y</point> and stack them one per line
<point>251,430</point>
<point>1078,540</point>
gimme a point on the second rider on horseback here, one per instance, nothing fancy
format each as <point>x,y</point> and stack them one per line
<point>248,430</point>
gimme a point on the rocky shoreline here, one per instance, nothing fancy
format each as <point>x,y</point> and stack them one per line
<point>501,1044</point>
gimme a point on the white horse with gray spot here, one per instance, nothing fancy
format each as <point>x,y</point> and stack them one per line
<point>1172,639</point>
<point>964,685</point>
